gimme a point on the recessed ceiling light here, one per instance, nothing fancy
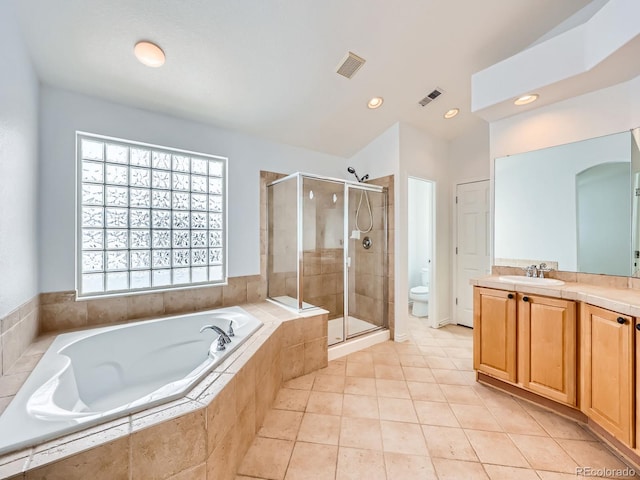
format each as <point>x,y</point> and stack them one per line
<point>526,99</point>
<point>149,54</point>
<point>451,113</point>
<point>375,102</point>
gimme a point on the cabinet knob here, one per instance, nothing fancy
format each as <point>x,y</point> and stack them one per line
<point>621,320</point>
<point>638,326</point>
<point>525,299</point>
<point>510,296</point>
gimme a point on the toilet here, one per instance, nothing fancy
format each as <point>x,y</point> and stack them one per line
<point>420,295</point>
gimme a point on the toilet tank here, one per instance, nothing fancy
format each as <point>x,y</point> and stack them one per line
<point>424,276</point>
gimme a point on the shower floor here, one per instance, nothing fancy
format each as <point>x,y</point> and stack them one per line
<point>354,327</point>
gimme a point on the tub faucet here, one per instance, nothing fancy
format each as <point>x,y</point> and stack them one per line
<point>223,336</point>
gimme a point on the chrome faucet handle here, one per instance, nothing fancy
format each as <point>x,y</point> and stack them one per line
<point>532,271</point>
<point>542,269</point>
<point>230,331</point>
<point>221,344</point>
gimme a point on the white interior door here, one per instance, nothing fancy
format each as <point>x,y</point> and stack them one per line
<point>472,244</point>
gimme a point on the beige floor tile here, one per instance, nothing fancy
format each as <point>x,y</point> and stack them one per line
<point>392,388</point>
<point>360,433</point>
<point>426,391</point>
<point>402,438</point>
<point>397,410</point>
<point>360,357</point>
<point>334,367</point>
<point>408,467</point>
<point>475,417</point>
<point>463,363</point>
<point>555,475</point>
<point>360,370</point>
<point>498,472</point>
<point>325,402</point>
<point>516,420</point>
<point>319,428</point>
<point>282,424</point>
<point>361,406</point>
<point>461,394</point>
<point>496,448</point>
<point>267,458</point>
<point>386,358</point>
<point>441,363</point>
<point>447,469</point>
<point>418,374</point>
<point>290,399</point>
<point>495,398</point>
<point>453,352</point>
<point>449,377</point>
<point>357,464</point>
<point>412,360</point>
<point>360,386</point>
<point>312,461</point>
<point>448,442</point>
<point>304,382</point>
<point>591,454</point>
<point>432,350</point>
<point>544,453</point>
<point>329,383</point>
<point>435,413</point>
<point>407,348</point>
<point>560,427</point>
<point>389,372</point>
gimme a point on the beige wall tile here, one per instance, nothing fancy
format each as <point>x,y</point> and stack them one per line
<point>292,362</point>
<point>17,339</point>
<point>145,305</point>
<point>63,316</point>
<point>107,310</point>
<point>222,463</point>
<point>170,447</point>
<point>106,462</point>
<point>315,354</point>
<point>57,297</point>
<point>235,293</point>
<point>10,320</point>
<point>179,301</point>
<point>221,415</point>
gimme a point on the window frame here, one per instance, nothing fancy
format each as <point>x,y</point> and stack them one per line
<point>79,136</point>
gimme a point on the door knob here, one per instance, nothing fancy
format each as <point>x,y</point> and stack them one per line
<point>621,320</point>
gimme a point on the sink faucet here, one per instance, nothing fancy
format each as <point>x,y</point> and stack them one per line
<point>223,337</point>
<point>543,268</point>
<point>531,271</point>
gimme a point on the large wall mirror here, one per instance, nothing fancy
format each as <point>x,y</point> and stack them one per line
<point>572,206</point>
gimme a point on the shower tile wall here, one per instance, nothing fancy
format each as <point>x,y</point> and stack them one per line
<point>365,287</point>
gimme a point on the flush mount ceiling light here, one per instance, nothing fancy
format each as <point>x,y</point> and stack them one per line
<point>451,113</point>
<point>375,102</point>
<point>149,54</point>
<point>526,99</point>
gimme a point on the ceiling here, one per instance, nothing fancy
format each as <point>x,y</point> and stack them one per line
<point>267,67</point>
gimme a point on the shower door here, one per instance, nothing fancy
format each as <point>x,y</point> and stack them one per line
<point>366,280</point>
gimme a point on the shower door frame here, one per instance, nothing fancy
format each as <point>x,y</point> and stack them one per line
<point>347,187</point>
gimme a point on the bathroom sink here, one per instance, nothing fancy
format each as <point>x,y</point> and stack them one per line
<point>530,280</point>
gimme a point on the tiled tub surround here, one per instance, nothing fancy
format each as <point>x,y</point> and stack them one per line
<point>201,436</point>
<point>18,330</point>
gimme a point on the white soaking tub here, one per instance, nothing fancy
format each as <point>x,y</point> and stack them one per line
<point>89,377</point>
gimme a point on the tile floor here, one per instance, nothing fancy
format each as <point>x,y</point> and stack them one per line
<point>413,410</point>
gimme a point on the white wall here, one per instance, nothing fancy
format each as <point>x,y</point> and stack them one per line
<point>423,156</point>
<point>469,158</point>
<point>18,167</point>
<point>380,157</point>
<point>64,112</point>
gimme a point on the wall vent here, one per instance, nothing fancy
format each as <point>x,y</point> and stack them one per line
<point>431,97</point>
<point>350,65</point>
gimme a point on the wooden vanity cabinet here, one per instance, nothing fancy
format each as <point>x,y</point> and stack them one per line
<point>547,338</point>
<point>608,387</point>
<point>494,333</point>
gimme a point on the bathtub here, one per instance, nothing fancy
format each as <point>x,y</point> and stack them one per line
<point>89,377</point>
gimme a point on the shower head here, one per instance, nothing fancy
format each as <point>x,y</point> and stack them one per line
<point>353,171</point>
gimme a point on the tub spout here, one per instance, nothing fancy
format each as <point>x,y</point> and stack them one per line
<point>223,336</point>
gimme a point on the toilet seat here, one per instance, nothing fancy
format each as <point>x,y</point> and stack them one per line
<point>420,290</point>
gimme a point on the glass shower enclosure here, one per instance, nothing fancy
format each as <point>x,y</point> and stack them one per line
<point>327,248</point>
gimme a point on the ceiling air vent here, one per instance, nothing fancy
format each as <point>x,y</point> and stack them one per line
<point>431,97</point>
<point>350,65</point>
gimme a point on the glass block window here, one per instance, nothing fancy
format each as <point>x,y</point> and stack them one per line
<point>149,217</point>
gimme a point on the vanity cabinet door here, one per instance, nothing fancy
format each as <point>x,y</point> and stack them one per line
<point>607,369</point>
<point>547,340</point>
<point>494,332</point>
